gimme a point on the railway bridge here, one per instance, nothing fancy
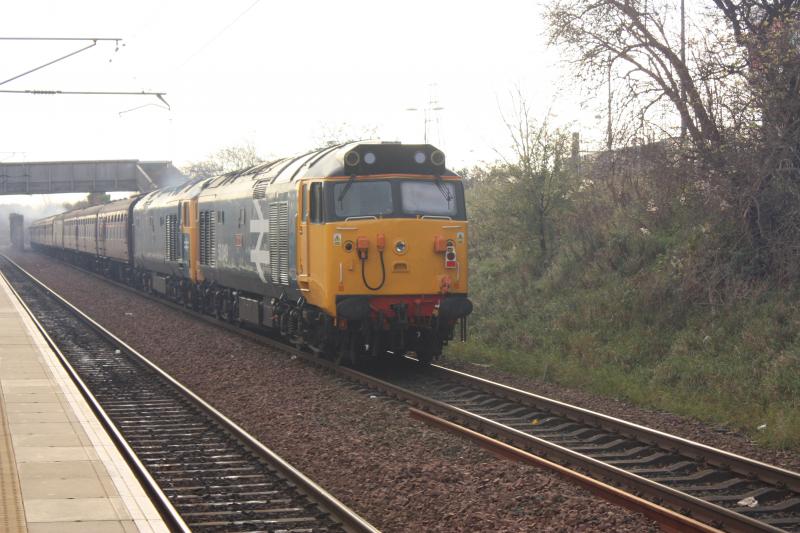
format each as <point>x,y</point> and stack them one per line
<point>55,177</point>
<point>99,176</point>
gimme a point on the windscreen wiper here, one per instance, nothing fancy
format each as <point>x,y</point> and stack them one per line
<point>346,188</point>
<point>443,189</point>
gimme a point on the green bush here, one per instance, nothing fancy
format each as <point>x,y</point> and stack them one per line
<point>666,315</point>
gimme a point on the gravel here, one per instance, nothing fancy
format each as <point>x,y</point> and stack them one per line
<point>397,473</point>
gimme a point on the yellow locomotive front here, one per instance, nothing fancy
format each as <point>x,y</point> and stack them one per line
<point>382,250</point>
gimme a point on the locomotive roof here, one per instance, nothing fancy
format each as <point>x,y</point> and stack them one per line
<point>388,158</point>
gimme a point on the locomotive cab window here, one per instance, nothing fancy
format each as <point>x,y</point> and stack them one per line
<point>436,198</point>
<point>315,201</point>
<point>303,203</point>
<point>362,198</point>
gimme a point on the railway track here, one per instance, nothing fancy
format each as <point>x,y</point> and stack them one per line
<point>719,488</point>
<point>716,487</point>
<point>202,471</point>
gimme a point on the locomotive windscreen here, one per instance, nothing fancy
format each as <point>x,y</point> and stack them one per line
<point>429,198</point>
<point>395,198</point>
<point>363,198</point>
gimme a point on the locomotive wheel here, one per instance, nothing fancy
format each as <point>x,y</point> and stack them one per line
<point>429,348</point>
<point>425,357</point>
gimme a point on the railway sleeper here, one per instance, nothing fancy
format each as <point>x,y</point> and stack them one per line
<point>705,476</point>
<point>653,458</point>
<point>761,495</point>
<point>665,469</point>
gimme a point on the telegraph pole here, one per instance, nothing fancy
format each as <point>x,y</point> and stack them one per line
<point>609,131</point>
<point>683,60</point>
<point>428,111</point>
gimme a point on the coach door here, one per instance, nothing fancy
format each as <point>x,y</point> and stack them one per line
<point>102,235</point>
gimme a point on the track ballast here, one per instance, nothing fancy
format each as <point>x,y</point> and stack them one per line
<point>700,481</point>
<point>215,476</point>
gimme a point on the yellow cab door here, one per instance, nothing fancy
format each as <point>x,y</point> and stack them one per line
<point>190,237</point>
<point>303,265</point>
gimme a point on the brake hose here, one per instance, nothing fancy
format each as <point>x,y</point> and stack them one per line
<point>383,273</point>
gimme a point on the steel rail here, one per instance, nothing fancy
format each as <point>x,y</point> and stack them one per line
<point>348,518</point>
<point>668,520</point>
<point>675,499</point>
<point>162,504</point>
<point>736,463</point>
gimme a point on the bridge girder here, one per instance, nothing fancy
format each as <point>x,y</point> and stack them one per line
<point>55,177</point>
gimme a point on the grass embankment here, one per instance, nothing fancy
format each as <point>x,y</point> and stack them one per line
<point>632,337</point>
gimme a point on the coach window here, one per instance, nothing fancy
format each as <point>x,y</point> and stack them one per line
<point>316,203</point>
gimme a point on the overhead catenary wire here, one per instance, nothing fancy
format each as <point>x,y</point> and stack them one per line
<point>94,43</point>
<point>217,35</point>
<point>158,95</point>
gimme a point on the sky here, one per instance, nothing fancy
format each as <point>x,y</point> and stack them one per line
<point>277,75</point>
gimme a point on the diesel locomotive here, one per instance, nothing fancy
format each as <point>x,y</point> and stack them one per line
<point>352,250</point>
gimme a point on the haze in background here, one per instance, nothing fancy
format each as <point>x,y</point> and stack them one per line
<point>278,75</point>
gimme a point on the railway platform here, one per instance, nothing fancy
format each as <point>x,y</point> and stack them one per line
<point>59,470</point>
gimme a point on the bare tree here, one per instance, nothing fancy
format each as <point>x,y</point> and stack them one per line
<point>93,198</point>
<point>224,160</point>
<point>331,135</point>
<point>737,92</point>
<point>636,38</point>
<point>539,171</point>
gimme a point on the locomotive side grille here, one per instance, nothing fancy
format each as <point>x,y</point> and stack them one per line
<point>171,229</point>
<point>208,238</point>
<point>279,242</point>
<point>260,190</point>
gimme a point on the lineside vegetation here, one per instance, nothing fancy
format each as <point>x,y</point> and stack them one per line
<point>665,269</point>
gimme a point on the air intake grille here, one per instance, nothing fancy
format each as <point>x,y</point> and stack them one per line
<point>172,233</point>
<point>279,242</point>
<point>208,238</point>
<point>260,190</point>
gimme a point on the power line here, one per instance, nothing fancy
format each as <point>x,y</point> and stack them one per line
<point>160,96</point>
<point>60,39</point>
<point>218,35</point>
<point>93,39</point>
<point>49,63</point>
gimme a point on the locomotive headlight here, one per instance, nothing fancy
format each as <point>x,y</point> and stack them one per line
<point>369,158</point>
<point>400,247</point>
<point>437,158</point>
<point>419,157</point>
<point>351,158</point>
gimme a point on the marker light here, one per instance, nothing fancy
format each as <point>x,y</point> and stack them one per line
<point>419,157</point>
<point>369,158</point>
<point>400,247</point>
<point>450,257</point>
